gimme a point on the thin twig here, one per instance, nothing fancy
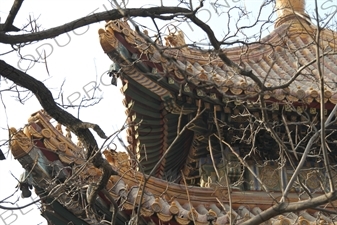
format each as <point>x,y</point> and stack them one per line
<point>322,103</point>
<point>188,196</point>
<point>305,153</point>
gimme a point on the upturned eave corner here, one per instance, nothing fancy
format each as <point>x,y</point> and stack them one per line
<point>20,143</point>
<point>107,40</point>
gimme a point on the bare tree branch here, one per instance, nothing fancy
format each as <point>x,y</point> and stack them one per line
<point>94,18</point>
<point>8,25</point>
<point>284,207</point>
<point>46,100</point>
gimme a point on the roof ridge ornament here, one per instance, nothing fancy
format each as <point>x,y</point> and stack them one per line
<point>289,11</point>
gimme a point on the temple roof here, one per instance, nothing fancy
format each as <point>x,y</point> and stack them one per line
<point>175,94</point>
<point>286,56</point>
<point>167,83</point>
<point>61,172</point>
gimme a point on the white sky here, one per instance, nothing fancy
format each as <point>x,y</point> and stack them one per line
<point>78,63</point>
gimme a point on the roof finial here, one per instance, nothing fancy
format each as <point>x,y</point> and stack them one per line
<point>288,9</point>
